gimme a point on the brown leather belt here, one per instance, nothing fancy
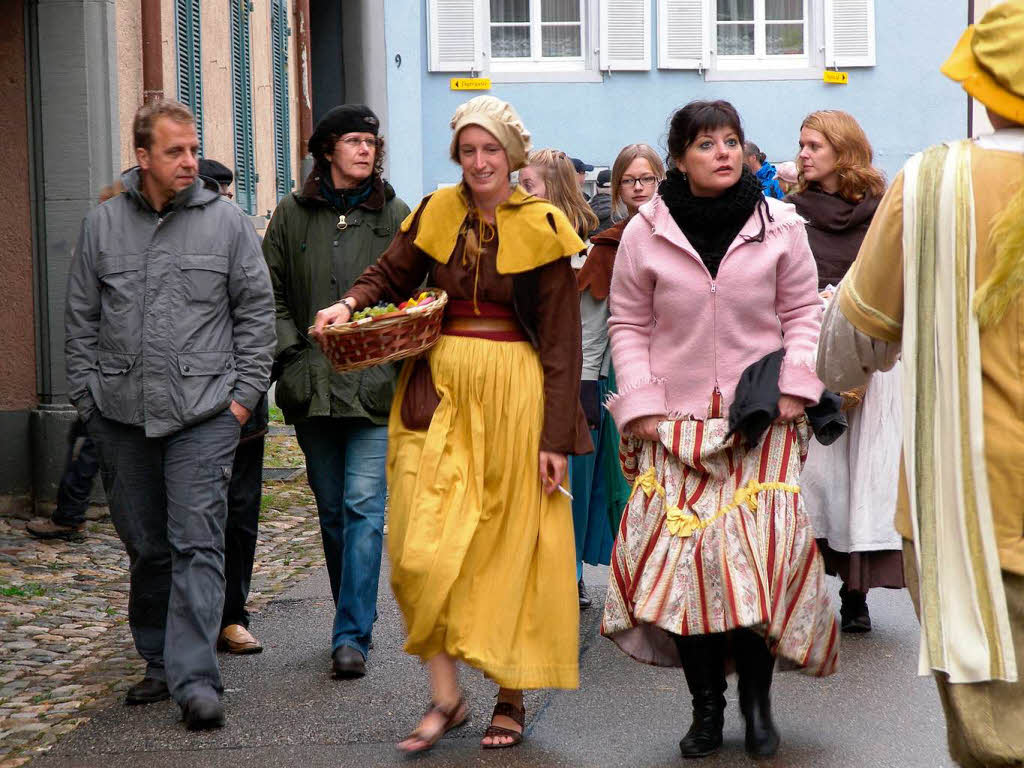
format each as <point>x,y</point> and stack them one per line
<point>485,320</point>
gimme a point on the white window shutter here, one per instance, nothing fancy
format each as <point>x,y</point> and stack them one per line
<point>625,34</point>
<point>849,33</point>
<point>682,34</point>
<point>454,35</point>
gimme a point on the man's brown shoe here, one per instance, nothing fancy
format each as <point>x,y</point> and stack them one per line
<point>45,528</point>
<point>235,638</point>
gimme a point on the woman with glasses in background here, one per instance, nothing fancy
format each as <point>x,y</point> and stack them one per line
<point>600,491</point>
<point>318,242</point>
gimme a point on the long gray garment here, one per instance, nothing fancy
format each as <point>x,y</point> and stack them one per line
<point>596,355</point>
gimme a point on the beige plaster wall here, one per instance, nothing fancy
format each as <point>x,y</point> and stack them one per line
<point>263,107</point>
<point>218,142</point>
<point>218,138</point>
<point>129,66</point>
<point>294,96</point>
<point>169,49</point>
<point>129,72</point>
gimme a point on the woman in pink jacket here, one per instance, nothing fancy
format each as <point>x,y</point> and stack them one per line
<point>715,564</point>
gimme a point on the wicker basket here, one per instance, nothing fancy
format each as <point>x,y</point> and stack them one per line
<point>375,340</point>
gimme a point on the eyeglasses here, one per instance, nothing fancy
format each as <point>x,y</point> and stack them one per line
<point>643,181</point>
<point>354,142</point>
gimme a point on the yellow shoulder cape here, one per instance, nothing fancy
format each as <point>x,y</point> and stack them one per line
<point>531,231</point>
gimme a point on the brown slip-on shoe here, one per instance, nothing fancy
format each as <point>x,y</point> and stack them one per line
<point>235,638</point>
<point>45,528</point>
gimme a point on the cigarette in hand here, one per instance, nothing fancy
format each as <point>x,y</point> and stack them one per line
<point>564,492</point>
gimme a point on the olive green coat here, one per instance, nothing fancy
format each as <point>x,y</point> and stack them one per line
<point>312,263</point>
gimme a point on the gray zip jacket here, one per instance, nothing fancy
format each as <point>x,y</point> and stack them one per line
<point>169,316</point>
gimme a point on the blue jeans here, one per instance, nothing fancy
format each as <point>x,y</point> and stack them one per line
<point>346,463</point>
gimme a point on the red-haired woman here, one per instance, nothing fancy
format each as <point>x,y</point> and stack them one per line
<point>850,486</point>
<point>600,492</point>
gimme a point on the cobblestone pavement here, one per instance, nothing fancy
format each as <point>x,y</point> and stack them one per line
<point>65,647</point>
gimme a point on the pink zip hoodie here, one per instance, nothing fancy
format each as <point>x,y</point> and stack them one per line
<point>676,334</point>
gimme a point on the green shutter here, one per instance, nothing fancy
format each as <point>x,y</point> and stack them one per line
<point>241,106</point>
<point>190,77</point>
<point>282,137</point>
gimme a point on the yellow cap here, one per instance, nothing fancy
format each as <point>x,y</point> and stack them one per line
<point>988,60</point>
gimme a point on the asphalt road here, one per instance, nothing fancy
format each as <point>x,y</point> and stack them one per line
<point>284,710</point>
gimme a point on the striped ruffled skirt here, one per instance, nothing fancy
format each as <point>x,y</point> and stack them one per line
<point>714,538</point>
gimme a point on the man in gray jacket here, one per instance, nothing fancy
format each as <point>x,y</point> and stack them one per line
<point>169,340</point>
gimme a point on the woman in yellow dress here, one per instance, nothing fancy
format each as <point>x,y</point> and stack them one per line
<point>482,546</point>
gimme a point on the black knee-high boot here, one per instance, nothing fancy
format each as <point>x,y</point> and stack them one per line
<point>704,666</point>
<point>754,665</point>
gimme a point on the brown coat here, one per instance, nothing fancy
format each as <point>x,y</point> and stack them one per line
<point>835,230</point>
<point>596,273</point>
<point>545,301</point>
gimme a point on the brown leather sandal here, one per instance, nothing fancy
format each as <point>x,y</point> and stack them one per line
<point>511,711</point>
<point>455,716</point>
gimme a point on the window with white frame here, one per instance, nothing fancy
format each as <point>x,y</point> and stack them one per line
<point>758,29</point>
<point>536,30</point>
<point>578,39</point>
<point>765,39</point>
<point>507,38</point>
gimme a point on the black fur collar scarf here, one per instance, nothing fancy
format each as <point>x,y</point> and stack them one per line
<point>712,223</point>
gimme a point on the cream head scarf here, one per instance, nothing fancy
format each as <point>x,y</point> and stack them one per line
<point>499,119</point>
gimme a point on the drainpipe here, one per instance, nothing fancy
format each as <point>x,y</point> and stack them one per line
<point>305,89</point>
<point>152,52</point>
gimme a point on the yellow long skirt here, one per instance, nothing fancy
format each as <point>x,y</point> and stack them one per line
<point>483,562</point>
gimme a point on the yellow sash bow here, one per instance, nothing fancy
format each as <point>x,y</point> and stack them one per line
<point>685,524</point>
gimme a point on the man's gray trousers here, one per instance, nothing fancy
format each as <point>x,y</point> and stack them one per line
<point>168,502</point>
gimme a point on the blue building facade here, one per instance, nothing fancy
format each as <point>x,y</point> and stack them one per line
<point>590,76</point>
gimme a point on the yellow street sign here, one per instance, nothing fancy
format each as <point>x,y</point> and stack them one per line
<point>837,78</point>
<point>470,83</point>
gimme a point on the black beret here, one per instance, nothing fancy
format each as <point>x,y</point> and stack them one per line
<point>211,169</point>
<point>604,178</point>
<point>348,118</point>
